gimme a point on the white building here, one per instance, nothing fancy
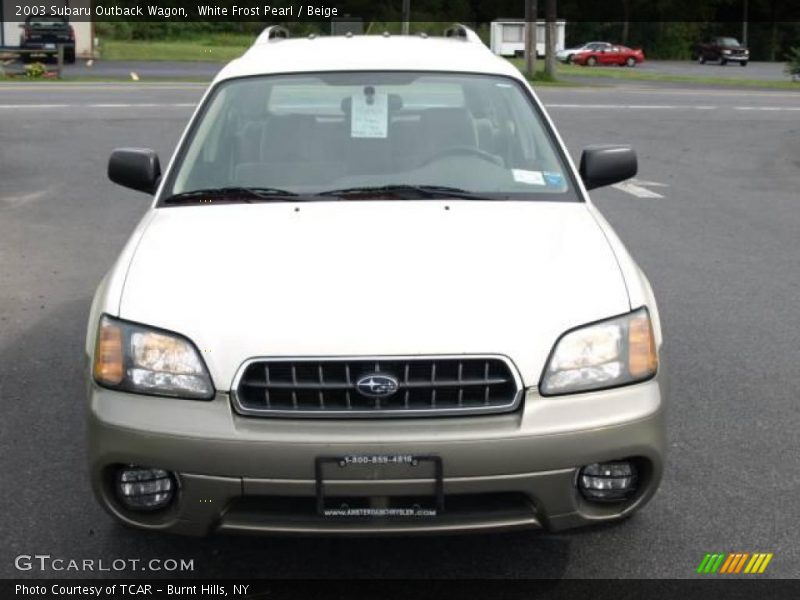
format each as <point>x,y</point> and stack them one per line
<point>10,29</point>
<point>508,37</point>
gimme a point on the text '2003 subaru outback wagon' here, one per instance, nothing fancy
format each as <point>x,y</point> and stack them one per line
<point>372,296</point>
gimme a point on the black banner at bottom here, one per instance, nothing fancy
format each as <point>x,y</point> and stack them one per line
<point>438,589</point>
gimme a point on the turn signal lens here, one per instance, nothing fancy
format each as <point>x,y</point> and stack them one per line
<point>108,356</point>
<point>642,357</point>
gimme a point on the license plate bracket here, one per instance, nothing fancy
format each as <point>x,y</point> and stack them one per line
<point>383,460</point>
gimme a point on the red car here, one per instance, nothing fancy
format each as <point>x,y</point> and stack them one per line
<point>610,55</point>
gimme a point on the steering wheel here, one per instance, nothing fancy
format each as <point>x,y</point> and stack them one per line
<point>464,151</point>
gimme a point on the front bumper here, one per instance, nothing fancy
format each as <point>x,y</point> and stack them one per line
<point>256,475</point>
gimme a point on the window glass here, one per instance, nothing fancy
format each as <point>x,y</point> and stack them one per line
<point>513,33</point>
<point>316,133</point>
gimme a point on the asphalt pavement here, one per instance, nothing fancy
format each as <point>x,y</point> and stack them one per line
<point>717,236</point>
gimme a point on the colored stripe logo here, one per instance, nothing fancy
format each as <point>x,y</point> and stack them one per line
<point>734,563</point>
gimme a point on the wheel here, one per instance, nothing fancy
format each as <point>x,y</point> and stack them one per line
<point>702,59</point>
<point>631,62</point>
<point>569,59</point>
<point>69,57</point>
<point>743,63</point>
<point>723,61</point>
<point>591,61</point>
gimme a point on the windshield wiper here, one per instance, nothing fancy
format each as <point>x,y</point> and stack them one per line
<point>239,193</point>
<point>405,191</point>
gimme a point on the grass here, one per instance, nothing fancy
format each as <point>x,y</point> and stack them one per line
<point>626,74</point>
<point>218,48</point>
<point>540,78</point>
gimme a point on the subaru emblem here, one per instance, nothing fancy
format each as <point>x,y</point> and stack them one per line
<point>376,385</point>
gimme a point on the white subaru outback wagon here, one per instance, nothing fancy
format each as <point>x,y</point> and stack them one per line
<point>372,295</point>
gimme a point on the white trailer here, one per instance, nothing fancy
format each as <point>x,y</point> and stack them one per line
<point>507,37</point>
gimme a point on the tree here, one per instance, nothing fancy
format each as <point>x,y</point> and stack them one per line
<point>531,13</point>
<point>626,22</point>
<point>549,39</point>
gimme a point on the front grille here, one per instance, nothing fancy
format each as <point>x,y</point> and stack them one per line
<point>377,387</point>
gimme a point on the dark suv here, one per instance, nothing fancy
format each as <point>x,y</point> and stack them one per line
<point>45,33</point>
<point>723,49</point>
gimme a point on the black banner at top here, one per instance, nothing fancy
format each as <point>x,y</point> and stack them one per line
<point>383,11</point>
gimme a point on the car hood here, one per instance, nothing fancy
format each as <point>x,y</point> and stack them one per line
<point>373,278</point>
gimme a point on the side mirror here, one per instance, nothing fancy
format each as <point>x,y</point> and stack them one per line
<point>135,168</point>
<point>604,165</point>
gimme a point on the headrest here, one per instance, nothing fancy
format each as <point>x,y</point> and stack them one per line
<point>395,104</point>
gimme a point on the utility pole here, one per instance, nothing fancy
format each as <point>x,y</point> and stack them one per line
<point>550,39</point>
<point>531,11</point>
<point>744,24</point>
<point>406,17</point>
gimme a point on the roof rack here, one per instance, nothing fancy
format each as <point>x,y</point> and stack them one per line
<point>274,32</point>
<point>462,32</point>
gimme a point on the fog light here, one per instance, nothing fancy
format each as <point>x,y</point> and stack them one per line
<point>142,488</point>
<point>608,482</point>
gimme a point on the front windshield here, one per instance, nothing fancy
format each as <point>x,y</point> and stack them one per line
<point>315,133</point>
<point>729,42</point>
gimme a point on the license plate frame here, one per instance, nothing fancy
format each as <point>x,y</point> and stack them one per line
<point>412,460</point>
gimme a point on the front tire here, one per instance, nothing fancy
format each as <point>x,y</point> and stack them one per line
<point>723,61</point>
<point>743,63</point>
<point>631,62</point>
<point>591,61</point>
<point>702,59</point>
<point>569,59</point>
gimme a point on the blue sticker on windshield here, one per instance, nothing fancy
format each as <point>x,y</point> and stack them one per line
<point>553,179</point>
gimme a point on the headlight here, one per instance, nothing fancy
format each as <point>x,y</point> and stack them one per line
<point>607,354</point>
<point>136,358</point>
<point>726,51</point>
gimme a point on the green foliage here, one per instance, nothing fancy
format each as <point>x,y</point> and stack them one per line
<point>174,30</point>
<point>35,70</point>
<point>670,39</point>
<point>793,64</point>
